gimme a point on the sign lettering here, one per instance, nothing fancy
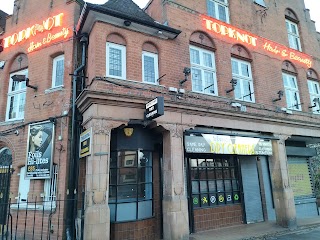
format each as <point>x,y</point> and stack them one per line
<point>228,31</point>
<point>46,25</point>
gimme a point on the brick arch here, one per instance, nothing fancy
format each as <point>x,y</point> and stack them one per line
<point>150,47</point>
<point>312,74</point>
<point>56,54</point>
<point>291,15</point>
<point>18,62</point>
<point>241,51</point>
<point>116,38</point>
<point>289,67</point>
<point>202,39</point>
<point>6,143</point>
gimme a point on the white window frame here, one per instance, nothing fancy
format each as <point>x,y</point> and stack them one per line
<point>50,188</point>
<point>241,80</point>
<point>123,60</point>
<point>314,91</point>
<point>54,71</point>
<point>206,89</point>
<point>19,93</point>
<point>293,38</point>
<point>217,4</point>
<point>154,56</point>
<point>292,93</point>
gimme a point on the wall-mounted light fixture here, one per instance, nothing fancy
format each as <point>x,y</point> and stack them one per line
<point>233,84</point>
<point>23,78</point>
<point>186,72</point>
<point>280,95</point>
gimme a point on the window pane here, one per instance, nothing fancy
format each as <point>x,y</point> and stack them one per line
<point>235,69</point>
<point>222,13</point>
<point>209,83</point>
<point>145,191</point>
<point>194,56</point>
<point>245,69</point>
<point>126,211</point>
<point>112,194</point>
<point>115,62</point>
<point>195,187</point>
<point>203,187</point>
<point>144,209</point>
<point>127,159</point>
<point>13,107</point>
<point>59,72</point>
<point>127,175</point>
<point>149,69</point>
<point>196,80</point>
<point>237,90</point>
<point>145,174</point>
<point>211,9</point>
<point>207,60</point>
<point>127,193</point>
<point>113,176</point>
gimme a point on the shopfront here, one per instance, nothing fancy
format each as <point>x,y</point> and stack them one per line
<point>228,180</point>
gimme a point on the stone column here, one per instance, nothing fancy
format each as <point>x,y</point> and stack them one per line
<point>97,212</point>
<point>175,203</point>
<point>282,191</point>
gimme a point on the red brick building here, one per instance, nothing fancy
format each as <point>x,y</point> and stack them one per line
<point>195,115</point>
<point>240,85</point>
<point>37,57</point>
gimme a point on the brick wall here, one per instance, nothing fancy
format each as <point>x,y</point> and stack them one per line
<point>213,218</point>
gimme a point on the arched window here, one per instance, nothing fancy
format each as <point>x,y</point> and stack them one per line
<point>242,80</point>
<point>290,83</point>
<point>202,61</point>
<point>17,88</point>
<point>314,91</point>
<point>292,29</point>
<point>116,56</point>
<point>150,65</point>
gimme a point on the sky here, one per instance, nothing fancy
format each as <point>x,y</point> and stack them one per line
<point>313,5</point>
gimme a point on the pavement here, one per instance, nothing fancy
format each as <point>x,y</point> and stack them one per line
<point>263,230</point>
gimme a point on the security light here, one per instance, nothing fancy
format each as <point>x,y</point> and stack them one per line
<point>186,72</point>
<point>22,78</point>
<point>280,95</point>
<point>233,84</point>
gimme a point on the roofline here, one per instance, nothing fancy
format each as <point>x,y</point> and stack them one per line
<point>94,7</point>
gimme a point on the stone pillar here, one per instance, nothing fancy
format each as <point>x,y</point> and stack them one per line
<point>175,203</point>
<point>97,212</point>
<point>282,192</point>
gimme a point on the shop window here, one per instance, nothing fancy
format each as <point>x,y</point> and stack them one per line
<point>314,92</point>
<point>58,71</point>
<point>16,97</point>
<point>242,78</point>
<point>116,61</point>
<point>215,182</point>
<point>218,9</point>
<point>203,71</point>
<point>150,72</point>
<point>291,91</point>
<point>131,185</point>
<point>293,35</point>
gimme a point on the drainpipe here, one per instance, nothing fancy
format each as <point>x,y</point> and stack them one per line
<point>74,155</point>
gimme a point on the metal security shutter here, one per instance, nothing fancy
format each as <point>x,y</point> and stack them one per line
<point>251,189</point>
<point>268,188</point>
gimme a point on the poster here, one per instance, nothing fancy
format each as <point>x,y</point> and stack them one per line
<point>40,150</point>
<point>85,143</point>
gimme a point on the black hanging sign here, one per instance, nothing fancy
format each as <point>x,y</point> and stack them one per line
<point>154,108</point>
